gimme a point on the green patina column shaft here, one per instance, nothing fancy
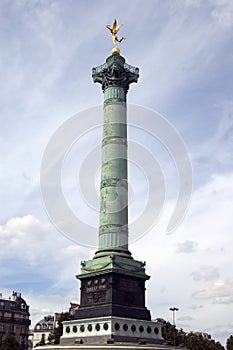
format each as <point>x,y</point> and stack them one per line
<point>113,283</point>
<point>115,77</point>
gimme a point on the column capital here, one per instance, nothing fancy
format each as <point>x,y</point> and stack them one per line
<point>115,73</point>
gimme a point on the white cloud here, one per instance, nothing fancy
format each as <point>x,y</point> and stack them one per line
<point>192,38</point>
<point>34,246</point>
<point>195,307</point>
<point>46,265</point>
<point>219,293</point>
<point>192,281</point>
<point>184,318</point>
<point>223,12</point>
<point>205,273</point>
<point>219,143</point>
<point>187,247</point>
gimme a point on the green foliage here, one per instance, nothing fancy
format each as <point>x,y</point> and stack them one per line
<point>192,341</point>
<point>10,343</point>
<point>55,335</point>
<point>169,333</point>
<point>198,342</point>
<point>230,343</point>
<point>42,341</point>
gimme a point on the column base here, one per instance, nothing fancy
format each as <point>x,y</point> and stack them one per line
<point>125,253</point>
<point>108,330</point>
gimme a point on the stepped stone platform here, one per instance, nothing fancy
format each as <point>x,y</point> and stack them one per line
<point>118,346</point>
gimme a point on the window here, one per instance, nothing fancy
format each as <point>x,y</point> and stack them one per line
<point>22,340</point>
<point>16,316</point>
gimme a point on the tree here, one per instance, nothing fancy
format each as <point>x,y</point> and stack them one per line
<point>57,332</point>
<point>171,334</point>
<point>10,343</point>
<point>192,341</point>
<point>196,341</point>
<point>230,343</point>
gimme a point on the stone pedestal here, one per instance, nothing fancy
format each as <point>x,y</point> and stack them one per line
<point>109,330</point>
<point>113,286</point>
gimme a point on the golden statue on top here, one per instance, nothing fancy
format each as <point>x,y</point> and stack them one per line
<point>114,30</point>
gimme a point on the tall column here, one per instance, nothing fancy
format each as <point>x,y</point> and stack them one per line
<point>113,283</point>
<point>115,77</point>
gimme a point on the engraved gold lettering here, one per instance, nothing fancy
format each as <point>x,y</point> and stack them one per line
<point>95,288</point>
<point>103,286</point>
<point>92,289</point>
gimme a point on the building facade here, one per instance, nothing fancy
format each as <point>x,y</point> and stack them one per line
<point>14,319</point>
<point>46,325</point>
<point>43,328</point>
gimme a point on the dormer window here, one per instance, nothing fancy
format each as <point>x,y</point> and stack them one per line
<point>23,306</point>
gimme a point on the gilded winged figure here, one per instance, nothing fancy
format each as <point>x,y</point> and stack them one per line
<point>114,30</point>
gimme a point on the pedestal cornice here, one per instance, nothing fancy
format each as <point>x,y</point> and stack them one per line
<point>113,264</point>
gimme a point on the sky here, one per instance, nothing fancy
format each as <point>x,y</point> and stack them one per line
<point>184,51</point>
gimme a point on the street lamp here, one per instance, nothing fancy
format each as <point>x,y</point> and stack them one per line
<point>174,309</point>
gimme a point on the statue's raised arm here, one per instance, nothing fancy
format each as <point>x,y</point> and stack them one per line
<point>114,30</point>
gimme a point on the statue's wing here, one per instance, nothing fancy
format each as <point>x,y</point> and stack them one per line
<point>118,27</point>
<point>114,26</point>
